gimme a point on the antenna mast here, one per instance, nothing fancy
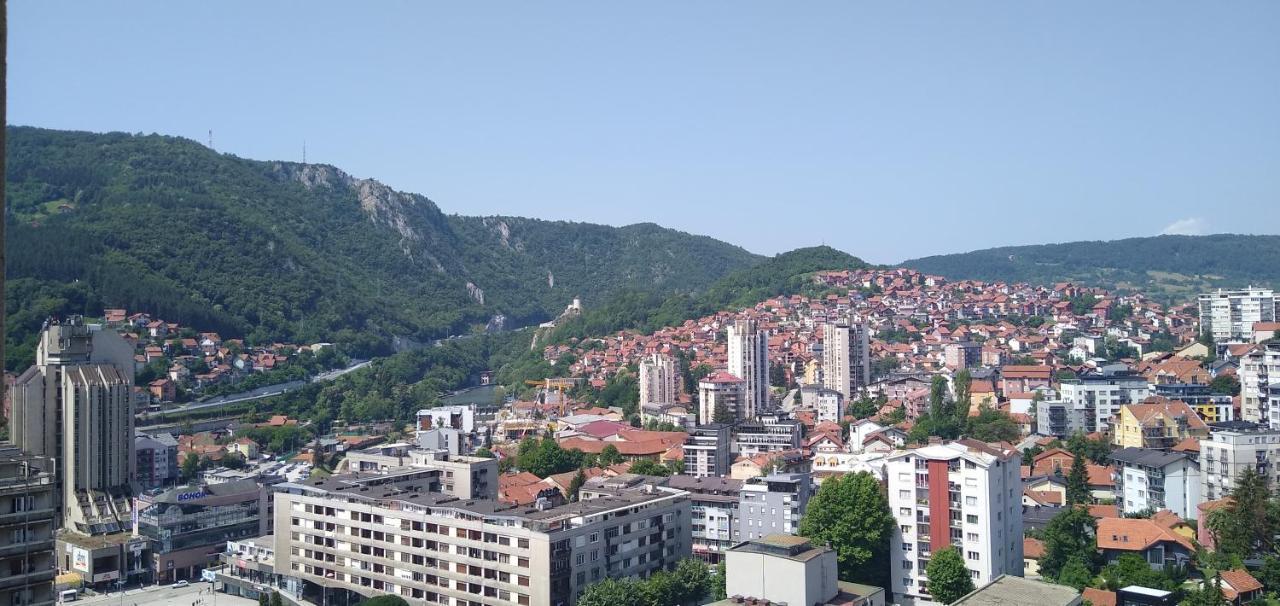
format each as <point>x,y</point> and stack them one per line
<point>304,151</point>
<point>211,138</point>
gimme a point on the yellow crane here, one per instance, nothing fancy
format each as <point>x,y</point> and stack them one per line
<point>557,383</point>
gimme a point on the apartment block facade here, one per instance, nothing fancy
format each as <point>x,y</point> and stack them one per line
<point>846,358</point>
<point>1229,315</point>
<point>722,392</point>
<point>714,514</point>
<point>966,494</point>
<point>1232,448</point>
<point>28,513</point>
<point>1259,377</point>
<point>375,537</point>
<point>706,450</point>
<point>771,505</point>
<point>1103,393</point>
<point>658,378</point>
<point>74,405</point>
<point>1148,480</point>
<point>748,349</point>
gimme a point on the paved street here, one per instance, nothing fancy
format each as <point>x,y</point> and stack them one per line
<point>167,595</point>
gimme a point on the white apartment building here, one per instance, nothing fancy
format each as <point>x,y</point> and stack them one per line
<point>966,494</point>
<point>1259,376</point>
<point>1102,394</point>
<point>748,349</point>
<point>371,536</point>
<point>1233,447</point>
<point>827,404</point>
<point>658,381</point>
<point>721,390</point>
<point>846,358</point>
<point>1148,480</point>
<point>1228,315</point>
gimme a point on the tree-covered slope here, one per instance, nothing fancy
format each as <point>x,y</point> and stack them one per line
<point>1173,266</point>
<point>286,251</point>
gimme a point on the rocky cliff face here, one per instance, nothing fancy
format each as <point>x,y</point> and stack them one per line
<point>407,215</point>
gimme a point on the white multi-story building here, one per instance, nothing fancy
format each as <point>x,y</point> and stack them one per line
<point>748,349</point>
<point>721,390</point>
<point>1102,394</point>
<point>827,404</point>
<point>1259,376</point>
<point>371,535</point>
<point>966,494</point>
<point>846,358</point>
<point>657,381</point>
<point>1230,449</point>
<point>1148,480</point>
<point>1229,315</point>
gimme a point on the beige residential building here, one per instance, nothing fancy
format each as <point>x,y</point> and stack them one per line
<point>74,405</point>
<point>376,535</point>
<point>462,476</point>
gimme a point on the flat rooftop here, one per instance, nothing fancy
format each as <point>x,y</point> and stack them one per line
<point>418,492</point>
<point>1011,591</point>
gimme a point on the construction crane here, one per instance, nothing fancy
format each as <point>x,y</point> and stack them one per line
<point>556,383</point>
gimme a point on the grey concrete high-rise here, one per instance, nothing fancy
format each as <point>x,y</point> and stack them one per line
<point>74,406</point>
<point>846,358</point>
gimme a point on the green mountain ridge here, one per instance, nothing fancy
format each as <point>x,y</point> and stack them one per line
<point>298,252</point>
<point>1171,267</point>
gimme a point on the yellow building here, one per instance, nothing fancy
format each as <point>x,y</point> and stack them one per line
<point>811,372</point>
<point>1157,423</point>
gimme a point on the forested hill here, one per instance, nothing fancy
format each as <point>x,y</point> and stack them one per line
<point>1168,266</point>
<point>285,251</point>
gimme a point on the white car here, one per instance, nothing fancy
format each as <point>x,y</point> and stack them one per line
<point>181,584</point>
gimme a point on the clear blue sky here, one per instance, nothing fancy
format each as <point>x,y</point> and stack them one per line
<point>889,130</point>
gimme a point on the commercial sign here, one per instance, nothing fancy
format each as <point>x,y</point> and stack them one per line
<point>80,559</point>
<point>191,496</point>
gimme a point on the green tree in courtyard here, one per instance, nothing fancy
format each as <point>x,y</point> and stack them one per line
<point>851,514</point>
<point>1070,534</point>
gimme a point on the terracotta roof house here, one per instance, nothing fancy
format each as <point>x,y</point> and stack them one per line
<point>1157,545</point>
<point>1239,587</point>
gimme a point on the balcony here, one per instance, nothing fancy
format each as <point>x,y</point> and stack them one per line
<point>45,544</point>
<point>35,515</point>
<point>32,578</point>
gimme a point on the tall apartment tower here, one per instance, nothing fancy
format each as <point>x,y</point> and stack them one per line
<point>749,360</point>
<point>964,494</point>
<point>658,380</point>
<point>846,358</point>
<point>1229,315</point>
<point>74,406</point>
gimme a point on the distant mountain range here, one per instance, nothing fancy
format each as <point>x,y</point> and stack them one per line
<point>298,252</point>
<point>305,253</point>
<point>1172,267</point>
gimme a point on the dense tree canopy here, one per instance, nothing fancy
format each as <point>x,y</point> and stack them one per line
<point>276,251</point>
